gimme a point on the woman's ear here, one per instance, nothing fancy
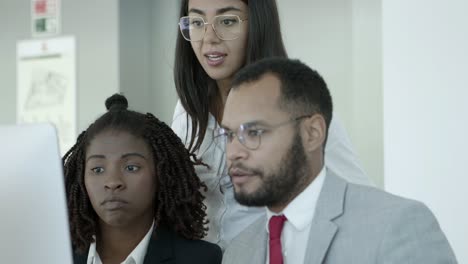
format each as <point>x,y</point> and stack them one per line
<point>313,133</point>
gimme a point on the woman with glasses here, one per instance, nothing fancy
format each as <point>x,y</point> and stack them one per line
<point>217,38</point>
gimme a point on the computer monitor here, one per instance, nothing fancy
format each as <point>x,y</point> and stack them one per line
<point>33,215</point>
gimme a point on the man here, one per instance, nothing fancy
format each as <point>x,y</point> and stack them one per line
<point>276,122</point>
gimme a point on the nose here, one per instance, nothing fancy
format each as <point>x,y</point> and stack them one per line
<point>210,34</point>
<point>235,150</point>
<point>114,181</point>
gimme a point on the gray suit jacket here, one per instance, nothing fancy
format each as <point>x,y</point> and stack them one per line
<point>357,224</point>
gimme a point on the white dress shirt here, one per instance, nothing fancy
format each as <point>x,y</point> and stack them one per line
<point>137,256</point>
<point>299,214</point>
<point>227,217</point>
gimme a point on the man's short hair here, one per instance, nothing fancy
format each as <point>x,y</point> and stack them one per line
<point>303,90</point>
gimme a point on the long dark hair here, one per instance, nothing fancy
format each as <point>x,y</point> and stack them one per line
<point>178,201</point>
<point>198,93</point>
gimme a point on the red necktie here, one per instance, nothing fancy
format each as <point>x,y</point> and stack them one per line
<point>275,227</point>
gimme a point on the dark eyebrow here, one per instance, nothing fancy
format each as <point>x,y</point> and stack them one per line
<point>227,9</point>
<point>251,123</point>
<point>134,154</point>
<point>95,157</point>
<point>219,11</point>
<point>123,156</point>
<point>198,11</point>
<point>224,126</point>
<point>256,123</point>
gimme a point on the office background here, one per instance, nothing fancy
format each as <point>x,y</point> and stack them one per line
<point>397,71</point>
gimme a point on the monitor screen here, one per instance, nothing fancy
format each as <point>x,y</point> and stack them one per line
<point>34,221</point>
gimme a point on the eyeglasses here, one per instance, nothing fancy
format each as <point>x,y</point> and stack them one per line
<point>226,27</point>
<point>248,134</point>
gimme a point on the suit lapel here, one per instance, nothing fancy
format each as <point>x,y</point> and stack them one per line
<point>321,236</point>
<point>160,248</point>
<point>330,205</point>
<point>259,255</point>
<point>252,246</point>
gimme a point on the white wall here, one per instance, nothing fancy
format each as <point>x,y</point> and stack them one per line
<point>95,25</point>
<point>342,40</point>
<point>366,123</point>
<point>165,30</point>
<point>15,14</point>
<point>425,65</point>
<point>135,46</point>
<point>147,36</point>
<point>122,46</point>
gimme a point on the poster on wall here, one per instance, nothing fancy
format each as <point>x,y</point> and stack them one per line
<point>46,85</point>
<point>45,18</point>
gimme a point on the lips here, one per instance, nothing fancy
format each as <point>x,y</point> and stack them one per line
<point>215,58</point>
<point>114,203</point>
<point>239,176</point>
<point>237,172</point>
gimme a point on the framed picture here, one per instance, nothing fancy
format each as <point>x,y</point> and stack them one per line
<point>46,85</point>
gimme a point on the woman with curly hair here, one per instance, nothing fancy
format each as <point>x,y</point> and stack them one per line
<point>132,193</point>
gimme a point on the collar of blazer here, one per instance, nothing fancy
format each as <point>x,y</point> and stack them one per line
<point>160,248</point>
<point>330,206</point>
<point>253,241</point>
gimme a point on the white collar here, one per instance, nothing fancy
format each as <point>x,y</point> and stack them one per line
<point>300,211</point>
<point>137,256</point>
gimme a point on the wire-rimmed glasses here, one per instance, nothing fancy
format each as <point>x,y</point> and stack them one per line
<point>226,27</point>
<point>248,134</point>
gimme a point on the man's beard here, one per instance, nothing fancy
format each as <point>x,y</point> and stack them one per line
<point>281,186</point>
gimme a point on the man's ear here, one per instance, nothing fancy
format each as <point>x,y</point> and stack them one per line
<point>313,132</point>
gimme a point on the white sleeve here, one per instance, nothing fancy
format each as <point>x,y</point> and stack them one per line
<point>209,152</point>
<point>180,123</point>
<point>340,157</point>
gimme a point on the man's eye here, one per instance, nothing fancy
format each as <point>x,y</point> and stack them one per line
<point>254,132</point>
<point>97,170</point>
<point>132,168</point>
<point>229,134</point>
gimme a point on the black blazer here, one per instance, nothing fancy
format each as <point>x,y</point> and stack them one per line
<point>168,248</point>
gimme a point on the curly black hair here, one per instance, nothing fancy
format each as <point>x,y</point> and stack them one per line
<point>178,202</point>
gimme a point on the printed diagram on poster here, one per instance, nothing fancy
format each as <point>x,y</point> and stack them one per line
<point>46,80</point>
<point>45,18</point>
